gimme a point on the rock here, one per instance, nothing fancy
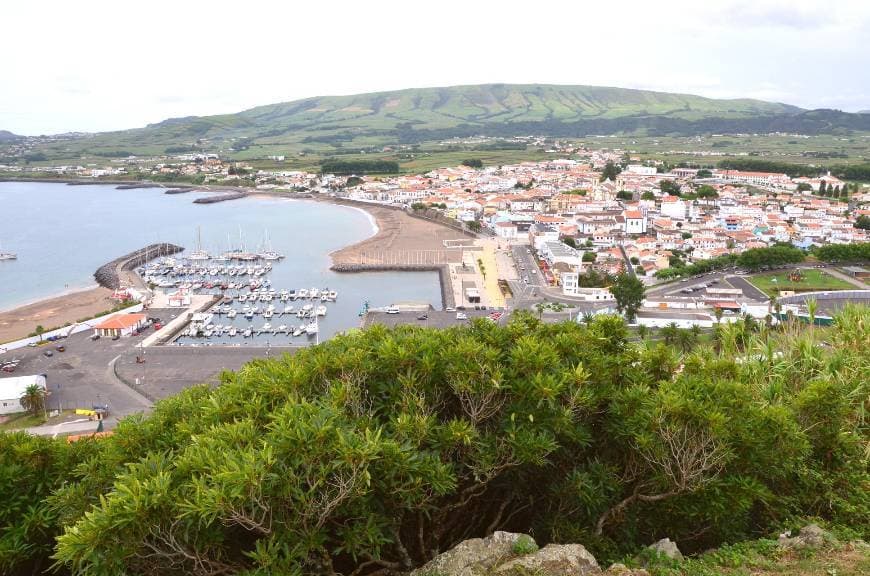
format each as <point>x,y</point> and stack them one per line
<point>472,557</point>
<point>553,560</point>
<point>623,570</point>
<point>665,547</point>
<point>810,536</point>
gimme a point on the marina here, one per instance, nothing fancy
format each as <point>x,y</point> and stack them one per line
<point>83,227</point>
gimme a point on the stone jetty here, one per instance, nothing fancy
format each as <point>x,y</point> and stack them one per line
<point>108,275</point>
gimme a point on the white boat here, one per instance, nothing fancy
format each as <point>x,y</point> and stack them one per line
<point>333,295</point>
<point>249,313</point>
<point>302,293</point>
<point>231,314</point>
<point>282,328</point>
<point>314,293</point>
<point>321,311</point>
<point>268,314</point>
<point>266,327</point>
<point>307,307</point>
<point>311,328</point>
<point>248,333</point>
<point>298,331</point>
<point>233,332</point>
<point>199,253</point>
<point>289,309</point>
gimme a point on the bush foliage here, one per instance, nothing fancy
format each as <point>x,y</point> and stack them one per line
<point>380,448</point>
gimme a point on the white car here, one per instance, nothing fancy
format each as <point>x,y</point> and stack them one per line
<point>392,310</point>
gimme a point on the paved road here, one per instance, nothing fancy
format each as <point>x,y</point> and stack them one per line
<point>527,266</point>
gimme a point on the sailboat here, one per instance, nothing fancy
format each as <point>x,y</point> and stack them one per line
<point>268,253</point>
<point>199,253</point>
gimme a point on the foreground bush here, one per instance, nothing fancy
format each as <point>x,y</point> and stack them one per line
<point>377,450</point>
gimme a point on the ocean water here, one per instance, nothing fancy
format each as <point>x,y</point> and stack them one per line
<point>62,234</point>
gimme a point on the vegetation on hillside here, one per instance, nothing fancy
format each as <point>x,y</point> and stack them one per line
<point>378,449</point>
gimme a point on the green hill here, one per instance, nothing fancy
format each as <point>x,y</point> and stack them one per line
<point>329,123</point>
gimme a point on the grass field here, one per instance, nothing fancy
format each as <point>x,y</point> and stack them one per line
<point>17,421</point>
<point>814,280</point>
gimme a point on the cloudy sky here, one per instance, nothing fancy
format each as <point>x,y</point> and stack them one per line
<point>94,65</point>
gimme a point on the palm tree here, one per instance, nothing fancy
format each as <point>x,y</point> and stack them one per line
<point>685,340</point>
<point>669,332</point>
<point>33,399</point>
<point>642,331</point>
<point>717,312</point>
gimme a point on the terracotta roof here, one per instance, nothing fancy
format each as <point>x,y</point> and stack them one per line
<point>121,321</point>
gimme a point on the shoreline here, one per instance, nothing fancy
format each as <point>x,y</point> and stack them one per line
<point>391,226</point>
<point>54,312</point>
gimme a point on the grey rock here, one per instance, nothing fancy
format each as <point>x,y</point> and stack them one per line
<point>810,536</point>
<point>553,560</point>
<point>473,557</point>
<point>666,547</point>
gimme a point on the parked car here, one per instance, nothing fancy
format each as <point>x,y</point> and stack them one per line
<point>116,337</point>
<point>48,353</point>
<point>450,309</point>
<point>392,310</point>
<point>95,336</point>
<point>8,368</point>
<point>423,317</point>
<point>61,348</point>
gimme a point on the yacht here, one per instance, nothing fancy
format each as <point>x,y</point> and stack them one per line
<point>311,328</point>
<point>248,333</point>
<point>321,311</point>
<point>233,332</point>
<point>298,331</point>
<point>199,253</point>
<point>268,314</point>
<point>333,295</point>
<point>231,314</point>
<point>8,256</point>
<point>281,329</point>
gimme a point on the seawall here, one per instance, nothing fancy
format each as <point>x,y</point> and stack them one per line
<point>107,274</point>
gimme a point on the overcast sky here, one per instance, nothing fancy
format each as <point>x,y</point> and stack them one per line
<point>95,66</point>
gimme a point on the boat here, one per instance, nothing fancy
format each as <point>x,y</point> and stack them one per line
<point>233,332</point>
<point>268,314</point>
<point>248,333</point>
<point>289,309</point>
<point>298,331</point>
<point>311,328</point>
<point>333,295</point>
<point>231,314</point>
<point>302,293</point>
<point>199,253</point>
<point>281,329</point>
<point>266,327</point>
<point>313,293</point>
<point>320,311</point>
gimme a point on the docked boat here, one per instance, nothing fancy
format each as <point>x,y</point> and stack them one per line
<point>233,332</point>
<point>311,328</point>
<point>298,331</point>
<point>199,253</point>
<point>320,310</point>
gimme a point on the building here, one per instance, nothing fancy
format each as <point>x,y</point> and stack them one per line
<point>635,222</point>
<point>12,389</point>
<point>570,287</point>
<point>120,325</point>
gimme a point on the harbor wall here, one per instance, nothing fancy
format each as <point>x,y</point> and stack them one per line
<point>107,274</point>
<point>447,300</point>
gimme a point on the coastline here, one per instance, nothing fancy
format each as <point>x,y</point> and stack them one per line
<point>398,242</point>
<point>53,312</point>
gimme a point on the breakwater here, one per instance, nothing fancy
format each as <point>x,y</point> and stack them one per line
<point>137,185</point>
<point>447,299</point>
<point>107,275</point>
<point>181,190</point>
<point>220,198</point>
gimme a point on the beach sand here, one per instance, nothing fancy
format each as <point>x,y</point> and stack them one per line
<point>400,239</point>
<point>53,312</point>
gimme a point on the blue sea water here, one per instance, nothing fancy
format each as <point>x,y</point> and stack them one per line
<point>62,234</point>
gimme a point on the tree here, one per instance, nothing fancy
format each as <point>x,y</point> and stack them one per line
<point>33,399</point>
<point>473,163</point>
<point>670,333</point>
<point>624,195</point>
<point>705,191</point>
<point>862,222</point>
<point>610,172</point>
<point>628,292</point>
<point>642,331</point>
<point>589,256</point>
<point>669,187</point>
<point>718,312</point>
<point>570,242</point>
<point>704,173</point>
<point>474,226</point>
<point>647,196</point>
<point>822,188</point>
<point>804,187</point>
<point>39,331</point>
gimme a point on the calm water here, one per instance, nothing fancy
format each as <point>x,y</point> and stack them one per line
<point>62,234</point>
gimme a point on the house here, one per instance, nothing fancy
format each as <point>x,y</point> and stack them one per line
<point>570,287</point>
<point>12,389</point>
<point>635,222</point>
<point>506,230</point>
<point>120,325</point>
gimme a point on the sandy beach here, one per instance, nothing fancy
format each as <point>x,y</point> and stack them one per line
<point>400,240</point>
<point>53,312</point>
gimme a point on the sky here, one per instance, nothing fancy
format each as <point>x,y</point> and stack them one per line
<point>95,66</point>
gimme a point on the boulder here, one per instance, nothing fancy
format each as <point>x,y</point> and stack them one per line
<point>553,560</point>
<point>665,547</point>
<point>810,536</point>
<point>473,557</point>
